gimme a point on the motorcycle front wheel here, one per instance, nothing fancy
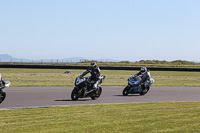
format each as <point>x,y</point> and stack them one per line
<point>2,96</point>
<point>97,94</point>
<point>126,91</point>
<point>75,94</point>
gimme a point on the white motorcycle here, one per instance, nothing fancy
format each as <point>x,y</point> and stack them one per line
<point>3,84</point>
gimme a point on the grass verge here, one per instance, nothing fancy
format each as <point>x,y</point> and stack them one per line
<point>136,117</point>
<point>55,77</point>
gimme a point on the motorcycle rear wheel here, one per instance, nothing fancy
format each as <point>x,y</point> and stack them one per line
<point>126,91</point>
<point>2,96</point>
<point>97,94</point>
<point>75,94</point>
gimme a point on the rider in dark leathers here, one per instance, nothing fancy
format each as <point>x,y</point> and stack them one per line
<point>145,75</point>
<point>95,74</point>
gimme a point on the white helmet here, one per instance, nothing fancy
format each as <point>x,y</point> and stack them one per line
<point>143,69</point>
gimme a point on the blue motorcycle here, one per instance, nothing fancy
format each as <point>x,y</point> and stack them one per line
<point>134,87</point>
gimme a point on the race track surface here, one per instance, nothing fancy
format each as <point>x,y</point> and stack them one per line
<point>28,97</point>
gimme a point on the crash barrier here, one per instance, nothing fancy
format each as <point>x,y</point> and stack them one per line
<point>101,67</point>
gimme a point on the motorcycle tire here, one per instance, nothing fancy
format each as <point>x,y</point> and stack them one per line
<point>97,94</point>
<point>75,94</point>
<point>126,91</point>
<point>2,96</point>
<point>145,91</point>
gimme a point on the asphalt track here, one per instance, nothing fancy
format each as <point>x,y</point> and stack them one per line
<point>33,97</point>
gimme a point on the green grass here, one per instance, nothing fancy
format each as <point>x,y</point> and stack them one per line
<point>55,77</point>
<point>137,117</point>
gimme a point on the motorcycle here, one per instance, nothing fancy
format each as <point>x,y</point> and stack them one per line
<point>3,84</point>
<point>84,88</point>
<point>134,87</point>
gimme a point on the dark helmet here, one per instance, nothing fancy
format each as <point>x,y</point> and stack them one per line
<point>93,66</point>
<point>143,69</point>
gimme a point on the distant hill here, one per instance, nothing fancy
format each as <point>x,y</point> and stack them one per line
<point>8,58</point>
<point>5,56</point>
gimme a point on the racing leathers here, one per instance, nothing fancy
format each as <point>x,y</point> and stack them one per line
<point>145,78</point>
<point>95,74</point>
<point>1,81</point>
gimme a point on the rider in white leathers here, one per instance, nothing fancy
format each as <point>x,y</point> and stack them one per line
<point>145,75</point>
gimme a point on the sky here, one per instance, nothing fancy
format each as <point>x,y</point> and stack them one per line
<point>128,30</point>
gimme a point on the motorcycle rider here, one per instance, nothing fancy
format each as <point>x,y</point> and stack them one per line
<point>1,81</point>
<point>95,74</point>
<point>145,75</point>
